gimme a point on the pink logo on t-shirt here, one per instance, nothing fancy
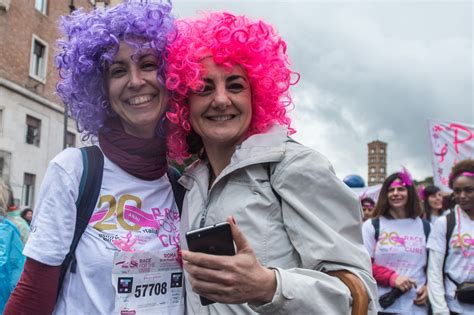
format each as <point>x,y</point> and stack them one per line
<point>127,244</point>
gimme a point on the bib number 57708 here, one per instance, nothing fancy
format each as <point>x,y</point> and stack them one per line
<point>159,288</point>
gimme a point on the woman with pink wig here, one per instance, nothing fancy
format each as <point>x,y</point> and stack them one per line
<point>292,219</point>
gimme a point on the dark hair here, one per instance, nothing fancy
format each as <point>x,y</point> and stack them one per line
<point>25,211</point>
<point>413,208</point>
<point>429,191</point>
<point>460,167</point>
<point>367,200</point>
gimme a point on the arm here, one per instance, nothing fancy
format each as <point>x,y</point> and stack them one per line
<point>36,291</point>
<point>437,247</point>
<point>435,283</point>
<point>384,276</point>
<point>323,224</point>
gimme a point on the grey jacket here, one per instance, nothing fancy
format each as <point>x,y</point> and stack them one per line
<point>298,217</point>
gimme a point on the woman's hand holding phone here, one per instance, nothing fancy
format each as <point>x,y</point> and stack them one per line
<point>231,279</point>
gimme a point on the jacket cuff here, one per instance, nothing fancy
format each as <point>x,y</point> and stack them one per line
<point>278,298</point>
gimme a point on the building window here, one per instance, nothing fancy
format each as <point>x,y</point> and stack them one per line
<point>382,179</point>
<point>41,5</point>
<point>28,193</point>
<point>372,151</point>
<point>5,158</point>
<point>372,169</point>
<point>33,130</point>
<point>382,170</point>
<point>372,160</point>
<point>382,160</point>
<point>39,56</point>
<point>382,151</point>
<point>372,179</point>
<point>70,140</point>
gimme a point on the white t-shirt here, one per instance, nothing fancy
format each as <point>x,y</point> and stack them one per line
<point>129,216</point>
<point>401,247</point>
<point>460,266</point>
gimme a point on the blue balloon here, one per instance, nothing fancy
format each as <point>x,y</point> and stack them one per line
<point>354,181</point>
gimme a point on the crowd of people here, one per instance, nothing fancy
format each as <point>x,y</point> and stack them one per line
<point>421,248</point>
<point>147,89</point>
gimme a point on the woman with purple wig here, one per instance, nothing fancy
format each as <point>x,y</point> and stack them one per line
<point>111,65</point>
<point>292,219</point>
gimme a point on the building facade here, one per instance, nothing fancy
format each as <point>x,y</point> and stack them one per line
<point>32,124</point>
<point>377,162</point>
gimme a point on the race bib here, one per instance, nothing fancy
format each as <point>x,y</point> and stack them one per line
<point>148,283</point>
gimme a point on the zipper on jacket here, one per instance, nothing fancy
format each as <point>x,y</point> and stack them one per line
<point>205,211</point>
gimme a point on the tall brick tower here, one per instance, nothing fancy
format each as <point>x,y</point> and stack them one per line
<point>377,165</point>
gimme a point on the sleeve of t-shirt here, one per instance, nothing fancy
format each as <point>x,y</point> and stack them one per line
<point>368,235</point>
<point>437,238</point>
<point>54,217</point>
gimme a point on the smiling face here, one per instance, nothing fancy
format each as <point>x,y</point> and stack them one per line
<point>397,196</point>
<point>368,210</point>
<point>435,201</point>
<point>134,91</point>
<point>221,113</point>
<point>463,190</point>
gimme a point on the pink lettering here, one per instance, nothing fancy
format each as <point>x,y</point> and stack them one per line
<point>457,140</point>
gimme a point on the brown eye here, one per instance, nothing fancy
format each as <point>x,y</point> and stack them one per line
<point>117,72</point>
<point>206,90</point>
<point>149,66</point>
<point>236,87</point>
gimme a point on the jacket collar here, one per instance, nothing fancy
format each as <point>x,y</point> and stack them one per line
<point>265,147</point>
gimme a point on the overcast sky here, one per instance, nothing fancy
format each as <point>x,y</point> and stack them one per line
<point>370,70</point>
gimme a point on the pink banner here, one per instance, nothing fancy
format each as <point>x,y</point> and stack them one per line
<point>450,143</point>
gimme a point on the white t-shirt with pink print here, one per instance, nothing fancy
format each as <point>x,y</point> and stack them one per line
<point>401,246</point>
<point>460,259</point>
<point>131,215</point>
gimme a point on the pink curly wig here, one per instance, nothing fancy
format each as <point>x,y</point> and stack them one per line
<point>230,40</point>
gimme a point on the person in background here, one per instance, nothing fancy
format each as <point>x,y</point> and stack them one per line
<point>451,259</point>
<point>367,204</point>
<point>11,258</point>
<point>396,241</point>
<point>27,215</point>
<point>15,216</point>
<point>292,219</point>
<point>432,202</point>
<point>111,68</point>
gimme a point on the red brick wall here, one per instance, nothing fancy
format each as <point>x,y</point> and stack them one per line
<point>17,25</point>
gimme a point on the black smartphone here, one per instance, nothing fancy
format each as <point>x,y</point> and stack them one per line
<point>215,240</point>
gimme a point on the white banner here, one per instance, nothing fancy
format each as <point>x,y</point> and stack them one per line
<point>371,191</point>
<point>450,143</point>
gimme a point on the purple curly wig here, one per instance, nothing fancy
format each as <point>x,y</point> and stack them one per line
<point>90,42</point>
<point>231,40</point>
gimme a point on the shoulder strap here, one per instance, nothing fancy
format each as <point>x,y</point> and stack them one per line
<point>376,224</point>
<point>178,190</point>
<point>450,223</point>
<point>426,228</point>
<point>89,189</point>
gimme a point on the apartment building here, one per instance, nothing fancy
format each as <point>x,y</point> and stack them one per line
<point>32,122</point>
